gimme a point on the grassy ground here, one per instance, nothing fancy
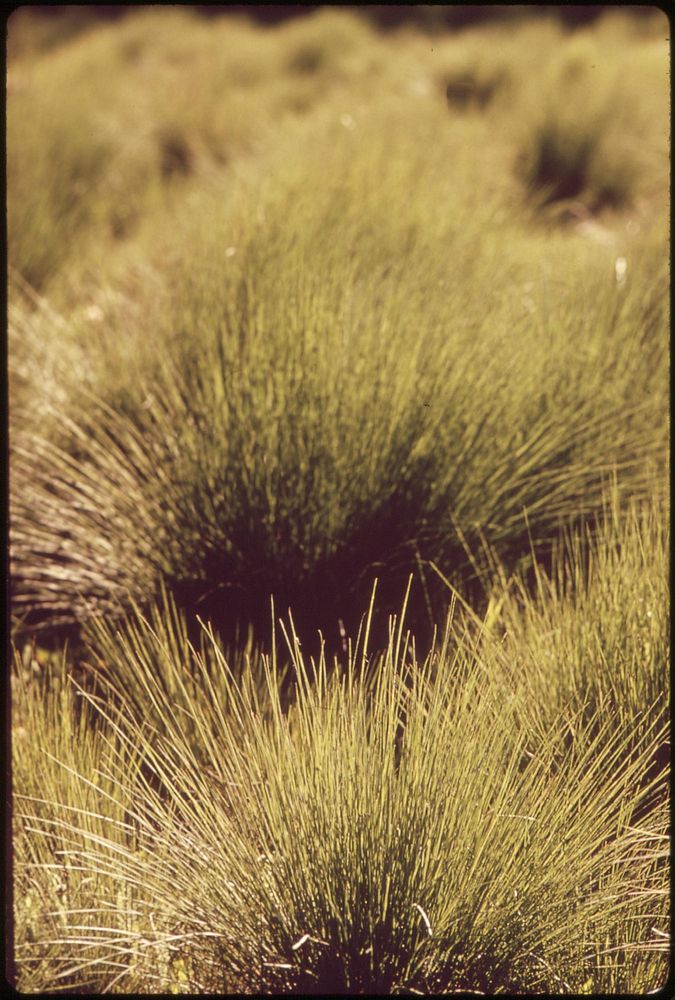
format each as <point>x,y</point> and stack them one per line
<point>351,323</point>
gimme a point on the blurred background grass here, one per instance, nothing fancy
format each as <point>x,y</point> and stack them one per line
<point>40,27</point>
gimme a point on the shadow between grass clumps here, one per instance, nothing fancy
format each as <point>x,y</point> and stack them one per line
<point>326,600</point>
<point>324,612</point>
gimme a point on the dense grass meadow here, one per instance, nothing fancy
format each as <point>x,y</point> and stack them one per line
<point>339,502</point>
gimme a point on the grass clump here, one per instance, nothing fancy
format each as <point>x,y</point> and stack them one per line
<point>330,42</point>
<point>32,32</point>
<point>358,842</point>
<point>595,635</point>
<point>587,639</point>
<point>594,137</point>
<point>334,404</point>
<point>56,815</point>
<point>83,172</point>
<point>484,68</point>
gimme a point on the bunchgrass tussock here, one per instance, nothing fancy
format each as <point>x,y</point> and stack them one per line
<point>85,171</point>
<point>66,917</point>
<point>357,840</point>
<point>314,427</point>
<point>587,638</point>
<point>588,126</point>
<point>483,69</point>
<point>595,634</point>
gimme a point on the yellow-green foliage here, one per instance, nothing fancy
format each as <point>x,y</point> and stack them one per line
<point>57,818</point>
<point>98,128</point>
<point>488,68</point>
<point>341,387</point>
<point>589,635</point>
<point>290,309</point>
<point>593,135</point>
<point>358,841</point>
<point>615,588</point>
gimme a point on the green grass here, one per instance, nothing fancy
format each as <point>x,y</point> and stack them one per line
<point>132,133</point>
<point>54,814</point>
<point>596,635</point>
<point>485,69</point>
<point>292,310</point>
<point>339,398</point>
<point>592,137</point>
<point>358,841</point>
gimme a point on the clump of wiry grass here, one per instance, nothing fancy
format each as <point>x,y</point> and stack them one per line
<point>168,649</point>
<point>592,633</point>
<point>342,398</point>
<point>84,169</point>
<point>63,801</point>
<point>330,45</point>
<point>587,639</point>
<point>485,67</point>
<point>394,830</point>
<point>594,137</point>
